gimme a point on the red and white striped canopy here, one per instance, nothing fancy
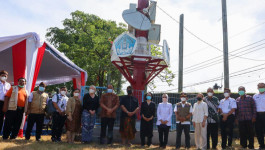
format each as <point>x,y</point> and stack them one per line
<point>26,56</point>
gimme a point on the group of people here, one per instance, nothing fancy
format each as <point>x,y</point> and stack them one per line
<point>208,114</point>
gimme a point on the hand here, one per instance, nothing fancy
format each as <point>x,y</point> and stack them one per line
<point>109,111</point>
<point>130,114</point>
<point>62,113</point>
<point>225,117</point>
<point>4,109</point>
<point>69,117</point>
<point>194,125</point>
<point>165,122</point>
<point>203,124</point>
<point>253,120</point>
<point>92,112</point>
<point>183,119</point>
<point>162,122</point>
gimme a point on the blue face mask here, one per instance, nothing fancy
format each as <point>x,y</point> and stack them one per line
<point>41,88</point>
<point>109,90</point>
<point>241,93</point>
<point>21,86</point>
<point>148,97</point>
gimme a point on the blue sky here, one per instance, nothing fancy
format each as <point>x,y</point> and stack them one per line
<point>202,17</point>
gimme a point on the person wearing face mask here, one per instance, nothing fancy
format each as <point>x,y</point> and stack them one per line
<point>129,106</point>
<point>73,112</point>
<point>148,109</point>
<point>90,107</point>
<point>58,117</point>
<point>15,105</point>
<point>246,117</point>
<point>109,103</point>
<point>212,119</point>
<point>200,114</point>
<point>164,114</point>
<point>260,120</point>
<point>4,87</point>
<point>37,102</point>
<point>227,109</point>
<point>183,112</point>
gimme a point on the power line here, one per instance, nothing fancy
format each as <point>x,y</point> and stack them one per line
<point>200,39</point>
<point>248,29</point>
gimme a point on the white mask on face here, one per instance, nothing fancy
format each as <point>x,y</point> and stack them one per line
<point>63,92</point>
<point>226,94</point>
<point>210,94</point>
<point>91,91</point>
<point>183,99</point>
<point>76,94</point>
<point>3,78</point>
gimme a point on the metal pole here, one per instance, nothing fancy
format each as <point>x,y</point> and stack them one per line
<point>225,45</point>
<point>180,81</point>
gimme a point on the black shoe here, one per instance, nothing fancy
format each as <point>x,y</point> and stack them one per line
<point>109,141</point>
<point>12,137</point>
<point>59,140</point>
<point>102,141</point>
<point>38,140</point>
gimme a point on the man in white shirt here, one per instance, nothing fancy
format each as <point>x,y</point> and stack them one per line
<point>183,112</point>
<point>200,114</point>
<point>260,120</point>
<point>227,109</point>
<point>59,117</point>
<point>4,87</point>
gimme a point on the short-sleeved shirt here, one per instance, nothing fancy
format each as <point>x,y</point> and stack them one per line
<point>260,102</point>
<point>227,104</point>
<point>4,87</point>
<point>62,101</point>
<point>176,109</point>
<point>130,103</point>
<point>22,96</point>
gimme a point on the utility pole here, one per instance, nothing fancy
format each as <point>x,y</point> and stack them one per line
<point>180,82</point>
<point>225,45</point>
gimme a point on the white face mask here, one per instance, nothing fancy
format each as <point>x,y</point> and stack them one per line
<point>164,100</point>
<point>91,91</point>
<point>210,94</point>
<point>3,78</point>
<point>76,94</point>
<point>183,99</point>
<point>226,94</point>
<point>63,92</point>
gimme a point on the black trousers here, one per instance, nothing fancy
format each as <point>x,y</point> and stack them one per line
<point>2,114</point>
<point>180,128</point>
<point>212,132</point>
<point>246,132</point>
<point>57,125</point>
<point>13,119</point>
<point>260,128</point>
<point>32,119</point>
<point>227,130</point>
<point>163,135</point>
<point>146,130</point>
<point>107,122</point>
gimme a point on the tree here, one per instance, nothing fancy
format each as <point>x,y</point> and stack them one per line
<point>86,40</point>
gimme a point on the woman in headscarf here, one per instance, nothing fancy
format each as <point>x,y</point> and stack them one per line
<point>164,114</point>
<point>73,111</point>
<point>148,109</point>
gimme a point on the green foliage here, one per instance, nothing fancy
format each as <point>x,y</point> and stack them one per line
<point>85,39</point>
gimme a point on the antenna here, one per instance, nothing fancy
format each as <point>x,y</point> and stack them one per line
<point>136,19</point>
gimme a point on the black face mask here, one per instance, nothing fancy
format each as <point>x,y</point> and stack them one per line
<point>199,98</point>
<point>129,92</point>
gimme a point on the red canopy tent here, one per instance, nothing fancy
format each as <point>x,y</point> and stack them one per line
<point>26,56</point>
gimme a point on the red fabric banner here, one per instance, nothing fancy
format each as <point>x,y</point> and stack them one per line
<point>40,54</point>
<point>19,60</point>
